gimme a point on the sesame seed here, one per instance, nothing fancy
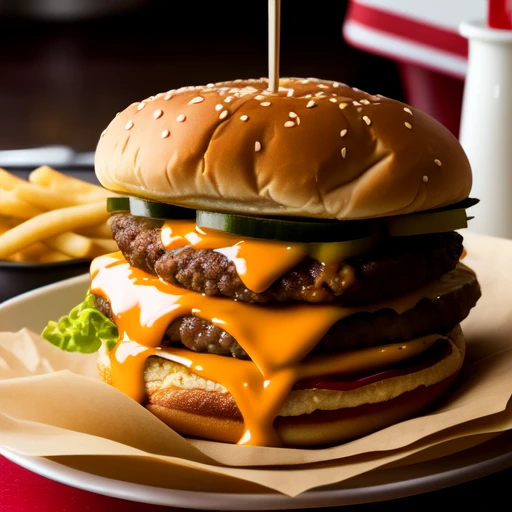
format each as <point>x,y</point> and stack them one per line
<point>364,101</point>
<point>168,96</point>
<point>244,118</point>
<point>293,115</point>
<point>425,179</point>
<point>308,96</point>
<point>265,104</point>
<point>157,114</point>
<point>367,120</point>
<point>335,84</point>
<point>210,85</point>
<point>297,120</point>
<point>359,109</point>
<point>311,104</point>
<point>333,100</point>
<point>356,103</point>
<point>408,125</point>
<point>343,132</point>
<point>289,124</point>
<point>165,134</point>
<point>290,93</point>
<point>219,106</point>
<point>408,110</point>
<point>181,118</point>
<point>103,133</point>
<point>305,82</point>
<point>257,146</point>
<point>438,162</point>
<point>323,86</point>
<point>128,125</point>
<point>223,114</point>
<point>344,152</point>
<point>259,97</point>
<point>320,94</point>
<point>343,105</point>
<point>141,105</point>
<point>197,99</point>
<point>229,99</point>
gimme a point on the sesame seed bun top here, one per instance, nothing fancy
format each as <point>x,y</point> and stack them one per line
<point>314,149</point>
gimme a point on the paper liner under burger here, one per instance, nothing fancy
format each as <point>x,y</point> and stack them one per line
<point>59,413</point>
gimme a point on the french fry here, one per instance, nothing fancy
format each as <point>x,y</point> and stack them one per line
<point>73,245</point>
<point>103,246</point>
<point>50,224</point>
<point>60,182</point>
<point>11,206</point>
<point>9,221</point>
<point>52,217</point>
<point>53,257</point>
<point>4,227</point>
<point>30,254</point>
<point>100,231</point>
<point>9,181</point>
<point>48,199</point>
<point>78,246</point>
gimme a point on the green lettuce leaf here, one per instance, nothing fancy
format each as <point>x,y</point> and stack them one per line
<point>84,330</point>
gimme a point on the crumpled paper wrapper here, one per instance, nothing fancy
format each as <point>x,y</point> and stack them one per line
<point>52,404</point>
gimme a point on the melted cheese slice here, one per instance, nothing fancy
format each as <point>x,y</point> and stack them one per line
<point>259,262</point>
<point>276,337</point>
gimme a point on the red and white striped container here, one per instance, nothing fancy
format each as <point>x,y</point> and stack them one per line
<point>423,38</point>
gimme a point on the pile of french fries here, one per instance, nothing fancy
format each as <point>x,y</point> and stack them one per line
<point>52,217</point>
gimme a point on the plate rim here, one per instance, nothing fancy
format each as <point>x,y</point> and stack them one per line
<point>341,496</point>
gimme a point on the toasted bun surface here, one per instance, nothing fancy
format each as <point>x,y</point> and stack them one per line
<point>195,406</point>
<point>316,429</point>
<point>315,149</point>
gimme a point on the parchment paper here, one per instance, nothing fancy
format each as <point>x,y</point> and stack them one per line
<point>52,404</point>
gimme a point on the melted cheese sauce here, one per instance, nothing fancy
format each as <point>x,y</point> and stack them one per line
<point>277,338</point>
<point>259,262</point>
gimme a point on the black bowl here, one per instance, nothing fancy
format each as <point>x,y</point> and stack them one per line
<point>16,278</point>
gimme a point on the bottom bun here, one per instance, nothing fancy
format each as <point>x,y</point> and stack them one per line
<point>319,428</point>
<point>206,410</point>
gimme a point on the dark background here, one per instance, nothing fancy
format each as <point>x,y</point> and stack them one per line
<point>62,80</point>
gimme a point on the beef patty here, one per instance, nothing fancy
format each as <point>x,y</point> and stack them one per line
<point>436,315</point>
<point>397,266</point>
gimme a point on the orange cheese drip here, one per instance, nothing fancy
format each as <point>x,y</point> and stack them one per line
<point>258,262</point>
<point>277,338</point>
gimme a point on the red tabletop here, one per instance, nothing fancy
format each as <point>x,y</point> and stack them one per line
<point>23,491</point>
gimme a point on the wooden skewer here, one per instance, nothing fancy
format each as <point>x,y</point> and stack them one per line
<point>274,26</point>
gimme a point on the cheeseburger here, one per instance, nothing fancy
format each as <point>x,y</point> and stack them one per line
<point>289,265</point>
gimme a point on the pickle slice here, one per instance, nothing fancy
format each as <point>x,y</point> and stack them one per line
<point>287,229</point>
<point>435,221</point>
<point>118,204</point>
<point>293,229</point>
<point>150,209</point>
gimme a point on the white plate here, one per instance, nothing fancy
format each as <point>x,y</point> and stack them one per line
<point>33,310</point>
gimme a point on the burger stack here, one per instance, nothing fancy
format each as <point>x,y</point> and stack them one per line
<point>289,265</point>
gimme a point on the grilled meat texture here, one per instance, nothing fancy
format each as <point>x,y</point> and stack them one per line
<point>397,266</point>
<point>360,330</point>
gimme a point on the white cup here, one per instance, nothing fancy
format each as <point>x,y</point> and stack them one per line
<point>486,126</point>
